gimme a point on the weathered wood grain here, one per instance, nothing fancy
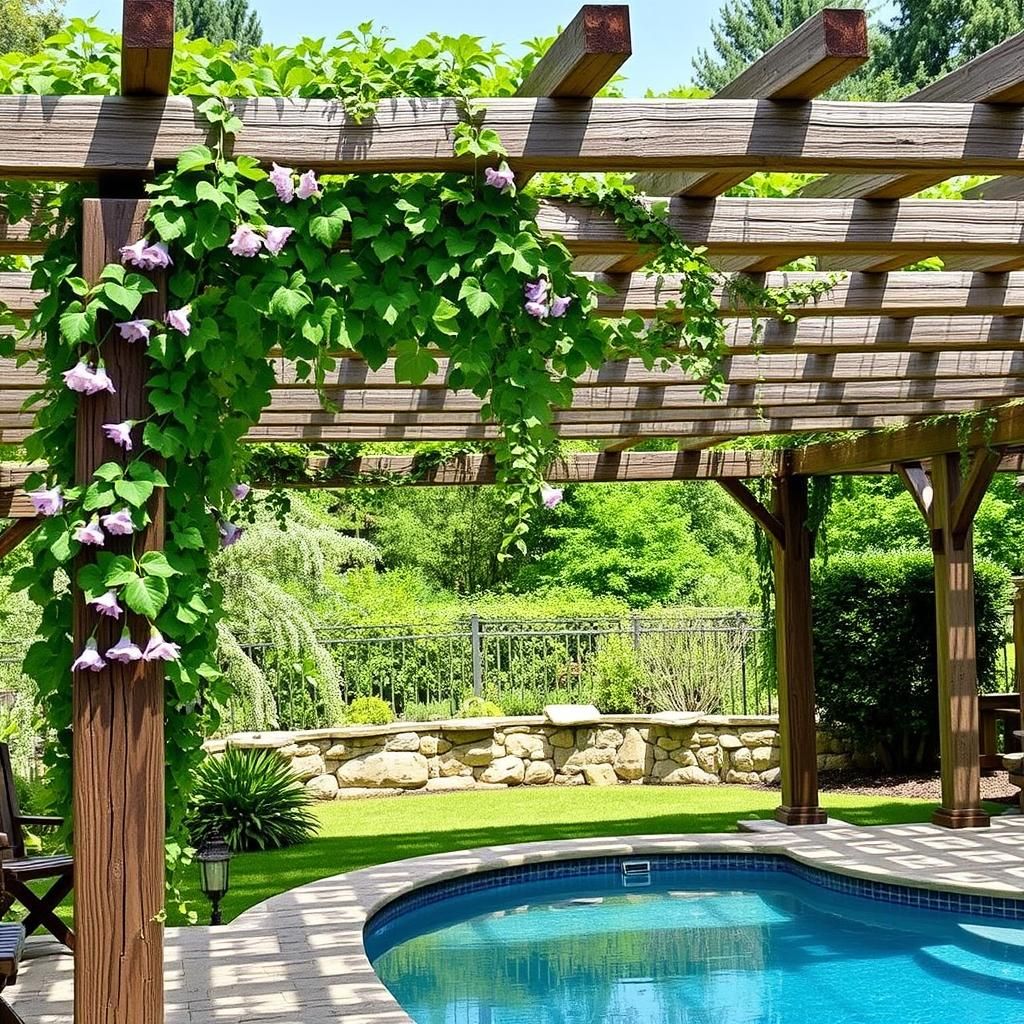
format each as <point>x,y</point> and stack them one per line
<point>147,47</point>
<point>103,134</point>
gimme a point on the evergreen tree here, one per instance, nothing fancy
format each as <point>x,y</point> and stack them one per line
<point>928,38</point>
<point>746,29</point>
<point>220,21</point>
<point>24,24</point>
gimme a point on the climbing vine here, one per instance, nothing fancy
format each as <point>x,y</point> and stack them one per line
<point>280,262</point>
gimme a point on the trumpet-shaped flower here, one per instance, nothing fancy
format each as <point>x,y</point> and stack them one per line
<point>230,533</point>
<point>502,178</point>
<point>276,239</point>
<point>240,492</point>
<point>106,604</point>
<point>179,319</point>
<point>245,242</point>
<point>135,330</point>
<point>124,650</point>
<point>145,256</point>
<point>282,178</point>
<point>81,378</point>
<point>551,496</point>
<point>536,291</point>
<point>120,433</point>
<point>559,304</point>
<point>308,186</point>
<point>536,309</point>
<point>90,533</point>
<point>119,523</point>
<point>89,660</point>
<point>47,502</point>
<point>159,649</point>
<point>102,382</point>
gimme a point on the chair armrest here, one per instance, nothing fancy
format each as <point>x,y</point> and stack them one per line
<point>42,820</point>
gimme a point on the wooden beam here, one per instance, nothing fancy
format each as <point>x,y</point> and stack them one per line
<point>147,47</point>
<point>956,651</point>
<point>918,482</point>
<point>794,647</point>
<point>118,733</point>
<point>103,134</point>
<point>996,77</point>
<point>14,534</point>
<point>585,56</point>
<point>997,188</point>
<point>912,444</point>
<point>983,466</point>
<point>750,503</point>
<point>788,228</point>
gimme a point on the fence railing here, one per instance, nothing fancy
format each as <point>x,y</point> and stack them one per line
<point>713,662</point>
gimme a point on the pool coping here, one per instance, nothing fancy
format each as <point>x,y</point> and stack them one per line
<point>335,910</point>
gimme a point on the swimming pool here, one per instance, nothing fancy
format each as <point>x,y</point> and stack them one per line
<point>697,940</point>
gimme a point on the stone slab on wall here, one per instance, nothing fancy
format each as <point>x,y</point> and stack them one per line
<point>494,753</point>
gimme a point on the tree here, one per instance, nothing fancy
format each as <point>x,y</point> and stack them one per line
<point>220,21</point>
<point>928,38</point>
<point>746,29</point>
<point>25,24</point>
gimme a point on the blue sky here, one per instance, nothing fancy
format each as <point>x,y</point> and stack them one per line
<point>666,33</point>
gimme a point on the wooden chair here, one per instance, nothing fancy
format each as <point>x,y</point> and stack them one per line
<point>18,869</point>
<point>12,943</point>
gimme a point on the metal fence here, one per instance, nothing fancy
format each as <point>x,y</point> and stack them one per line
<point>715,662</point>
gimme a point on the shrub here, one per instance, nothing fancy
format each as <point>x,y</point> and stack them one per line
<point>875,650</point>
<point>428,711</point>
<point>369,711</point>
<point>618,677</point>
<point>253,799</point>
<point>478,707</point>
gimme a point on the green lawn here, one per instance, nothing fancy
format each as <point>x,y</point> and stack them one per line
<point>359,833</point>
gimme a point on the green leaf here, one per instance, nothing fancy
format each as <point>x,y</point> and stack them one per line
<point>117,570</point>
<point>126,298</point>
<point>78,327</point>
<point>326,230</point>
<point>478,302</point>
<point>194,158</point>
<point>97,497</point>
<point>154,563</point>
<point>190,537</point>
<point>109,472</point>
<point>146,595</point>
<point>135,492</point>
<point>288,303</point>
<point>388,247</point>
<point>204,190</point>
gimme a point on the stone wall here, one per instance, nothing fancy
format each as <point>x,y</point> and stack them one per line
<point>479,753</point>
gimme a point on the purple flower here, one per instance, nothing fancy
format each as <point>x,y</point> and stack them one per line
<point>551,496</point>
<point>276,239</point>
<point>502,179</point>
<point>90,533</point>
<point>89,660</point>
<point>240,492</point>
<point>47,502</point>
<point>101,382</point>
<point>80,378</point>
<point>244,242</point>
<point>230,533</point>
<point>178,319</point>
<point>135,330</point>
<point>134,254</point>
<point>159,649</point>
<point>118,524</point>
<point>536,291</point>
<point>124,650</point>
<point>282,180</point>
<point>145,256</point>
<point>107,605</point>
<point>559,304</point>
<point>308,186</point>
<point>120,433</point>
<point>537,309</point>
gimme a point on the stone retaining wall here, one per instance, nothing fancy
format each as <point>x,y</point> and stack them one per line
<point>478,753</point>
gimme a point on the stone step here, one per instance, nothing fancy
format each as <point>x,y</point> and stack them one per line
<point>979,968</point>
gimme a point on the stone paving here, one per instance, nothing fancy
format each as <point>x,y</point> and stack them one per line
<point>298,958</point>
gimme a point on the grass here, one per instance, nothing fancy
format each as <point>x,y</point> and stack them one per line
<point>359,833</point>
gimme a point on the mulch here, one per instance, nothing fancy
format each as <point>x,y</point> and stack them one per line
<point>994,787</point>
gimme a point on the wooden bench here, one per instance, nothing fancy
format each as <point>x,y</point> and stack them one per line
<point>12,943</point>
<point>17,868</point>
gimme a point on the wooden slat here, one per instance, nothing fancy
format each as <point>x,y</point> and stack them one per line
<point>15,534</point>
<point>788,228</point>
<point>14,235</point>
<point>16,292</point>
<point>822,51</point>
<point>996,76</point>
<point>147,47</point>
<point>914,444</point>
<point>585,56</point>
<point>997,188</point>
<point>102,134</point>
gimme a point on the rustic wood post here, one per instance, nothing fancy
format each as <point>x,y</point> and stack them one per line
<point>795,656</point>
<point>792,550</point>
<point>118,753</point>
<point>953,553</point>
<point>1018,653</point>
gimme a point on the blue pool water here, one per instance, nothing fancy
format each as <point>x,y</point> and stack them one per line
<point>706,946</point>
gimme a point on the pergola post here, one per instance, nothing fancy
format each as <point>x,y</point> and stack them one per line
<point>792,550</point>
<point>118,753</point>
<point>1018,650</point>
<point>949,501</point>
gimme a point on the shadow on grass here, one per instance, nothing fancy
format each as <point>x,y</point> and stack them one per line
<point>257,876</point>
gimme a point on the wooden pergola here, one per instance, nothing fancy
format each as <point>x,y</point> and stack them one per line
<point>883,348</point>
